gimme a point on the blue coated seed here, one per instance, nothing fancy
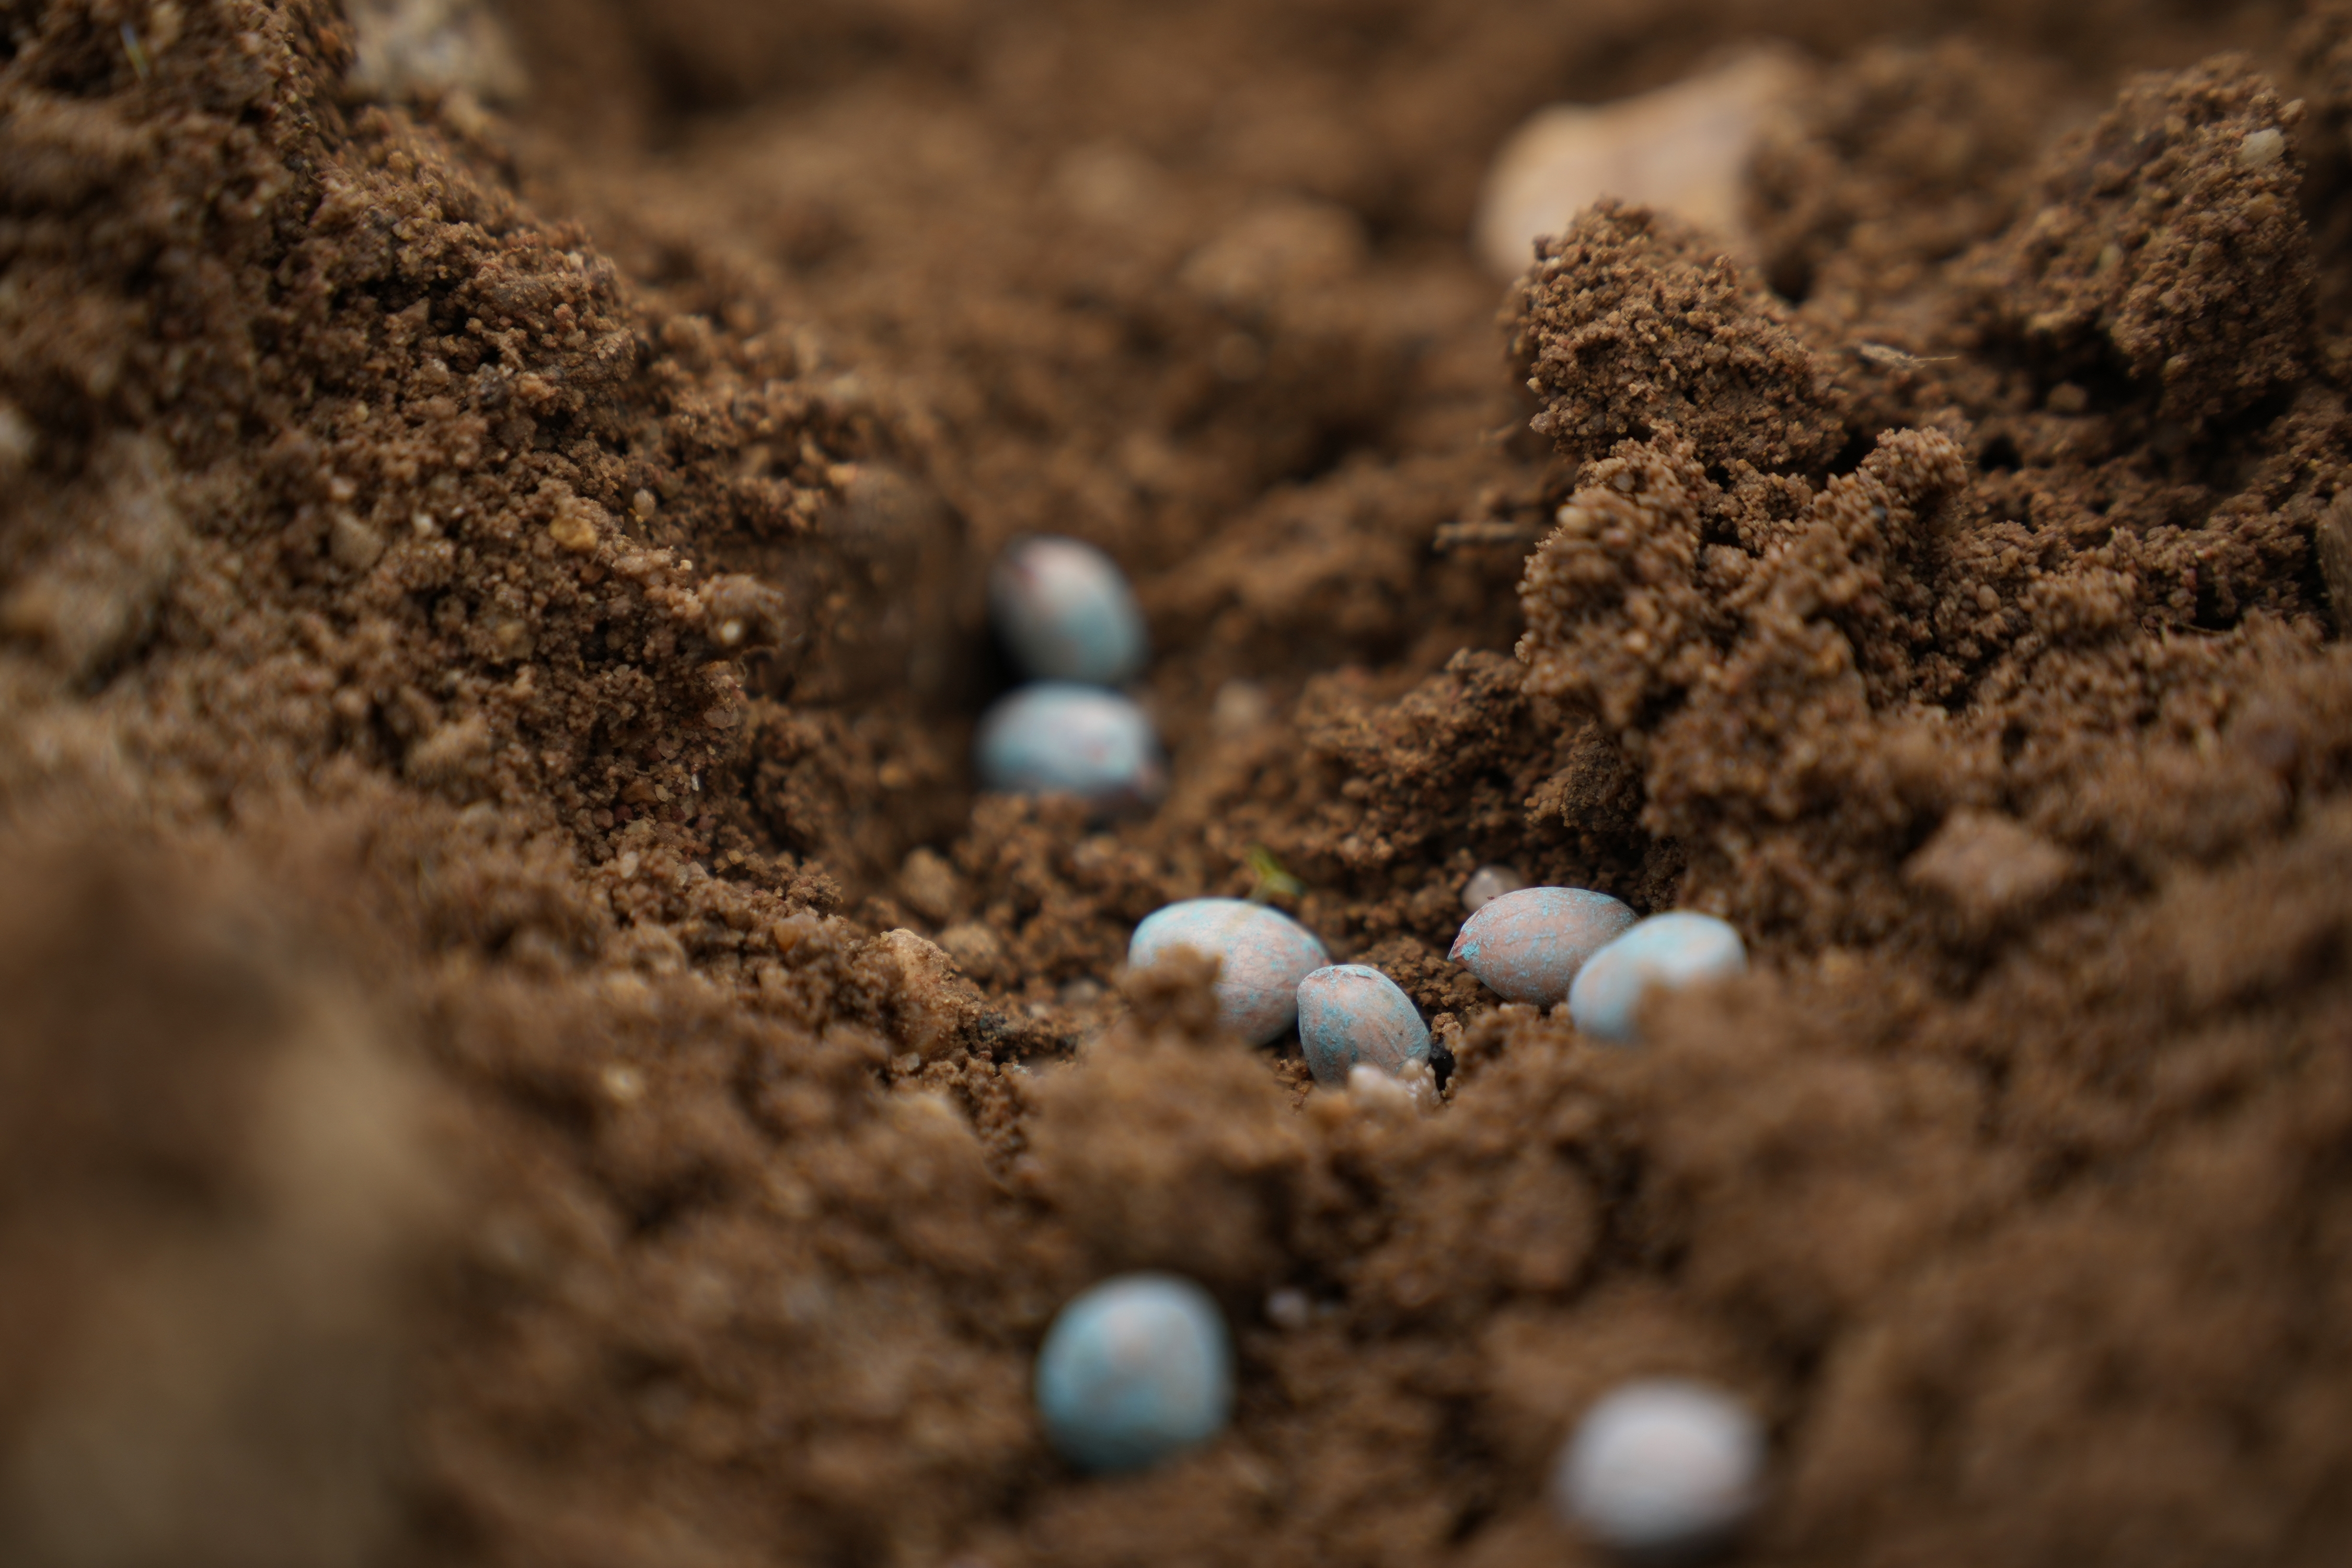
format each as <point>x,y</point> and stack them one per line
<point>1662,1468</point>
<point>1262,955</point>
<point>1137,1369</point>
<point>1065,612</point>
<point>1350,1013</point>
<point>1669,950</point>
<point>1059,738</point>
<point>1528,946</point>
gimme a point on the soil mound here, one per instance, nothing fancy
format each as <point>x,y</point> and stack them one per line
<point>522,1046</point>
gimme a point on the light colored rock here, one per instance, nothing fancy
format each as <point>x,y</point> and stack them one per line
<point>929,886</point>
<point>1288,1307</point>
<point>1486,884</point>
<point>1989,865</point>
<point>1683,149</point>
<point>427,48</point>
<point>1241,708</point>
<point>928,1003</point>
<point>974,948</point>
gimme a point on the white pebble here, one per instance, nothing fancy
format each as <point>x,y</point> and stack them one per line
<point>1392,1095</point>
<point>1287,1306</point>
<point>1240,707</point>
<point>1661,1467</point>
<point>1684,148</point>
<point>1486,884</point>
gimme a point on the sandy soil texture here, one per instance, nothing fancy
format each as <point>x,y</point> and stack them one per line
<point>518,1044</point>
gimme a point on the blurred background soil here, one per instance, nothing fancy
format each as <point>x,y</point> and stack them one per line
<point>518,1044</point>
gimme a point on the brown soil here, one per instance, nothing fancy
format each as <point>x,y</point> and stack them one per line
<point>520,1046</point>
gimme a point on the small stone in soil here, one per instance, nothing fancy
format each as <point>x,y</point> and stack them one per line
<point>1486,884</point>
<point>1288,1307</point>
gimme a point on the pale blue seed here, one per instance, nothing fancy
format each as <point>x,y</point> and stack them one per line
<point>1668,952</point>
<point>1352,1014</point>
<point>1261,952</point>
<point>1059,738</point>
<point>1528,946</point>
<point>1661,1468</point>
<point>1133,1370</point>
<point>1065,611</point>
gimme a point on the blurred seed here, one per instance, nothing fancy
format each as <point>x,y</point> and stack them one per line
<point>1683,148</point>
<point>1134,1371</point>
<point>1669,952</point>
<point>1065,611</point>
<point>1057,738</point>
<point>1660,1469</point>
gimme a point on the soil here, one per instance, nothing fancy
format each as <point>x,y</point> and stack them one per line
<point>522,1046</point>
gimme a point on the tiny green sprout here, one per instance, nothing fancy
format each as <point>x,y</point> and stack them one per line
<point>1273,879</point>
<point>1899,358</point>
